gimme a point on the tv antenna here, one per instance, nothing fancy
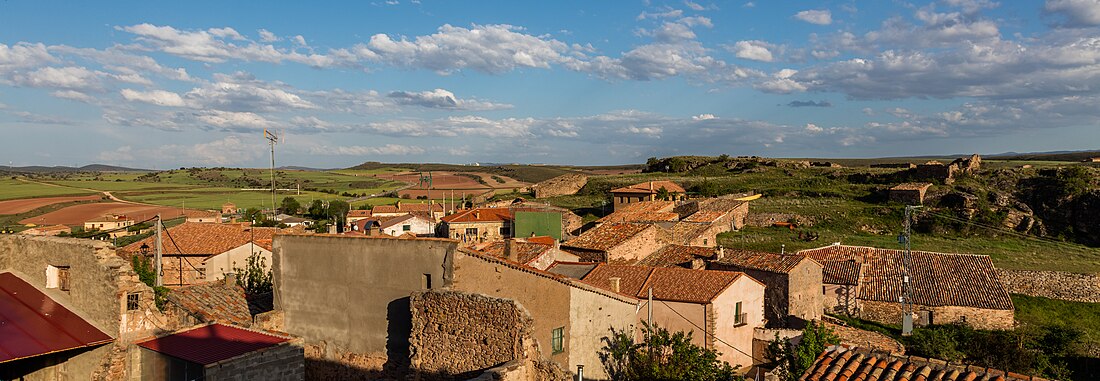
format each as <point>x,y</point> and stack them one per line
<point>907,293</point>
<point>272,139</point>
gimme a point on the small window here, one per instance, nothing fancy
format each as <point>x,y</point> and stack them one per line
<point>427,281</point>
<point>739,318</point>
<point>471,231</point>
<point>704,241</point>
<point>557,339</point>
<point>63,278</point>
<point>406,228</point>
<point>132,301</point>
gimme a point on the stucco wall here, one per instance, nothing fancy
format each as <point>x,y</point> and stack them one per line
<point>639,246</point>
<point>751,295</point>
<point>347,297</point>
<point>665,316</point>
<point>833,299</point>
<point>234,258</point>
<point>417,226</point>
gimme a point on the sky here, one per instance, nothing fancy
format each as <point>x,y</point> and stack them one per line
<point>162,85</point>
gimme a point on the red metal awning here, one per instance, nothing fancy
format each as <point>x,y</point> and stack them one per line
<point>212,343</point>
<point>33,324</point>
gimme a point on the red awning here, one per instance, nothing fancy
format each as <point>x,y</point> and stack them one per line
<point>212,343</point>
<point>32,324</point>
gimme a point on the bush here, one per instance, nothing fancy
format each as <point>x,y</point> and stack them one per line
<point>661,356</point>
<point>792,361</point>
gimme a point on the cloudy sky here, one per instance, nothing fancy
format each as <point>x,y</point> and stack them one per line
<point>191,83</point>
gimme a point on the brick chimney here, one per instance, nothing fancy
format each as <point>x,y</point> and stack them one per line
<point>510,249</point>
<point>650,185</point>
<point>615,283</point>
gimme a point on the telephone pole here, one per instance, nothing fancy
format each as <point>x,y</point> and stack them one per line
<point>907,261</point>
<point>272,138</point>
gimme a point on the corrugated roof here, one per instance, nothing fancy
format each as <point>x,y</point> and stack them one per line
<point>651,187</point>
<point>670,284</point>
<point>937,279</point>
<point>33,324</point>
<point>200,238</point>
<point>761,261</point>
<point>606,236</point>
<point>212,343</point>
<point>838,363</point>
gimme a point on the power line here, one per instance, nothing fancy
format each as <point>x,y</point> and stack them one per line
<point>709,334</point>
<point>1005,231</point>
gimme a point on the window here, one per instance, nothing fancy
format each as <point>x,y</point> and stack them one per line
<point>739,318</point>
<point>704,241</point>
<point>557,339</point>
<point>471,231</point>
<point>132,301</point>
<point>57,277</point>
<point>504,231</point>
<point>406,228</point>
<point>202,273</point>
<point>427,281</point>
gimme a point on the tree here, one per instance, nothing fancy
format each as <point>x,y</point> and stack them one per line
<point>662,356</point>
<point>290,205</point>
<point>662,194</point>
<point>792,361</point>
<point>255,277</point>
<point>338,209</point>
<point>317,210</point>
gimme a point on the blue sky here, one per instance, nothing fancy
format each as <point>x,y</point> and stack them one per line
<point>170,84</point>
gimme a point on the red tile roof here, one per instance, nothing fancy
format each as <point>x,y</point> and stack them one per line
<point>359,213</point>
<point>648,206</point>
<point>203,239</point>
<point>480,215</point>
<point>525,252</point>
<point>674,255</point>
<point>33,324</point>
<point>937,279</point>
<point>838,363</point>
<point>651,187</point>
<point>756,260</point>
<point>705,216</point>
<point>606,236</point>
<point>545,240</point>
<point>840,272</point>
<point>212,343</point>
<point>621,216</point>
<point>406,208</point>
<point>670,284</point>
<point>214,302</point>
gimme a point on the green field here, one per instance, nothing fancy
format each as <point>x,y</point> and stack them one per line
<point>213,198</point>
<point>11,189</point>
<point>1036,311</point>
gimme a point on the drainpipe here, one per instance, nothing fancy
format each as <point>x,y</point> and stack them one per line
<point>580,372</point>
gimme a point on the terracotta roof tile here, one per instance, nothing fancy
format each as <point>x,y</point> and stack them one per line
<point>840,272</point>
<point>203,239</point>
<point>684,232</point>
<point>651,187</point>
<point>643,216</point>
<point>606,236</point>
<point>937,279</point>
<point>670,284</point>
<point>838,363</point>
<point>756,260</point>
<point>525,252</point>
<point>705,216</point>
<point>674,255</point>
<point>406,208</point>
<point>214,302</point>
<point>480,215</point>
<point>359,213</point>
<point>648,206</point>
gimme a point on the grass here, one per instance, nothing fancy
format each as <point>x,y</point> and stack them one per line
<point>11,189</point>
<point>213,198</point>
<point>1037,311</point>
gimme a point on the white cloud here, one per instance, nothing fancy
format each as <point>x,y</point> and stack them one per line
<point>813,128</point>
<point>781,82</point>
<point>487,48</point>
<point>693,6</point>
<point>211,46</point>
<point>23,55</point>
<point>815,16</point>
<point>386,150</point>
<point>243,93</point>
<point>225,120</point>
<point>73,95</point>
<point>440,98</point>
<point>155,97</point>
<point>69,77</point>
<point>1074,13</point>
<point>755,50</point>
<point>267,36</point>
<point>704,117</point>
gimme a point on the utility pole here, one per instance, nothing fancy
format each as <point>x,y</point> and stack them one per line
<point>907,260</point>
<point>272,139</point>
<point>160,248</point>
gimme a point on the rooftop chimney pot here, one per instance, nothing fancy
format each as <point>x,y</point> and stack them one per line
<point>615,283</point>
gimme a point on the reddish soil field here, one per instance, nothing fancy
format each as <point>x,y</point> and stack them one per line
<point>77,214</point>
<point>438,194</point>
<point>29,204</point>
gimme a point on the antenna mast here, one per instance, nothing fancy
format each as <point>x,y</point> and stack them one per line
<point>906,299</point>
<point>272,139</point>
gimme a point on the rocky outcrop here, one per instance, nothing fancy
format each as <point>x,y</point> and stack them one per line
<point>564,185</point>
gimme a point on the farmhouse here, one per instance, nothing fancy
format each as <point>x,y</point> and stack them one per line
<point>198,252</point>
<point>110,222</point>
<point>647,191</point>
<point>721,308</point>
<point>478,225</point>
<point>617,242</point>
<point>946,288</point>
<point>909,193</point>
<point>793,296</point>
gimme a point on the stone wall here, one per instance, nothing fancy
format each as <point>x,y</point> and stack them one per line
<point>563,185</point>
<point>891,313</point>
<point>639,246</point>
<point>456,335</point>
<point>1052,284</point>
<point>769,219</point>
<point>281,362</point>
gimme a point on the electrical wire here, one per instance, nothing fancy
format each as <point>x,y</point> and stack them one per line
<point>754,358</point>
<point>98,232</point>
<point>1003,230</point>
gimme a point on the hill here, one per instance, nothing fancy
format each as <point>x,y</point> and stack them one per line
<point>522,172</point>
<point>64,169</point>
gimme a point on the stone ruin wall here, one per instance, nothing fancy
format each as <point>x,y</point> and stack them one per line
<point>1052,284</point>
<point>457,335</point>
<point>563,185</point>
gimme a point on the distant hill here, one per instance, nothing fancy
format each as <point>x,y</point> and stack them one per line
<point>1047,156</point>
<point>522,172</point>
<point>62,169</point>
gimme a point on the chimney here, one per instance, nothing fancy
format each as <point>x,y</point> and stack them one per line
<point>230,278</point>
<point>615,282</point>
<point>477,214</point>
<point>510,249</point>
<point>650,185</point>
<point>721,253</point>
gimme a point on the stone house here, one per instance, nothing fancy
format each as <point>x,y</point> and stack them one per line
<point>711,217</point>
<point>357,214</point>
<point>617,242</point>
<point>51,230</point>
<point>654,212</point>
<point>528,252</point>
<point>478,225</point>
<point>419,224</point>
<point>563,185</point>
<point>110,222</point>
<point>946,288</point>
<point>909,193</point>
<point>720,308</point>
<point>840,285</point>
<point>794,284</point>
<point>93,295</point>
<point>198,252</point>
<point>435,211</point>
<point>570,318</point>
<point>646,191</point>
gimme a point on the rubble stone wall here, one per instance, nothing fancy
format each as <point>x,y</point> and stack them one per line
<point>281,362</point>
<point>980,318</point>
<point>563,185</point>
<point>1069,286</point>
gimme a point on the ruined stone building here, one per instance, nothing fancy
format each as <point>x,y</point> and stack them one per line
<point>647,191</point>
<point>946,288</point>
<point>793,296</point>
<point>201,252</point>
<point>618,242</point>
<point>909,193</point>
<point>720,308</point>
